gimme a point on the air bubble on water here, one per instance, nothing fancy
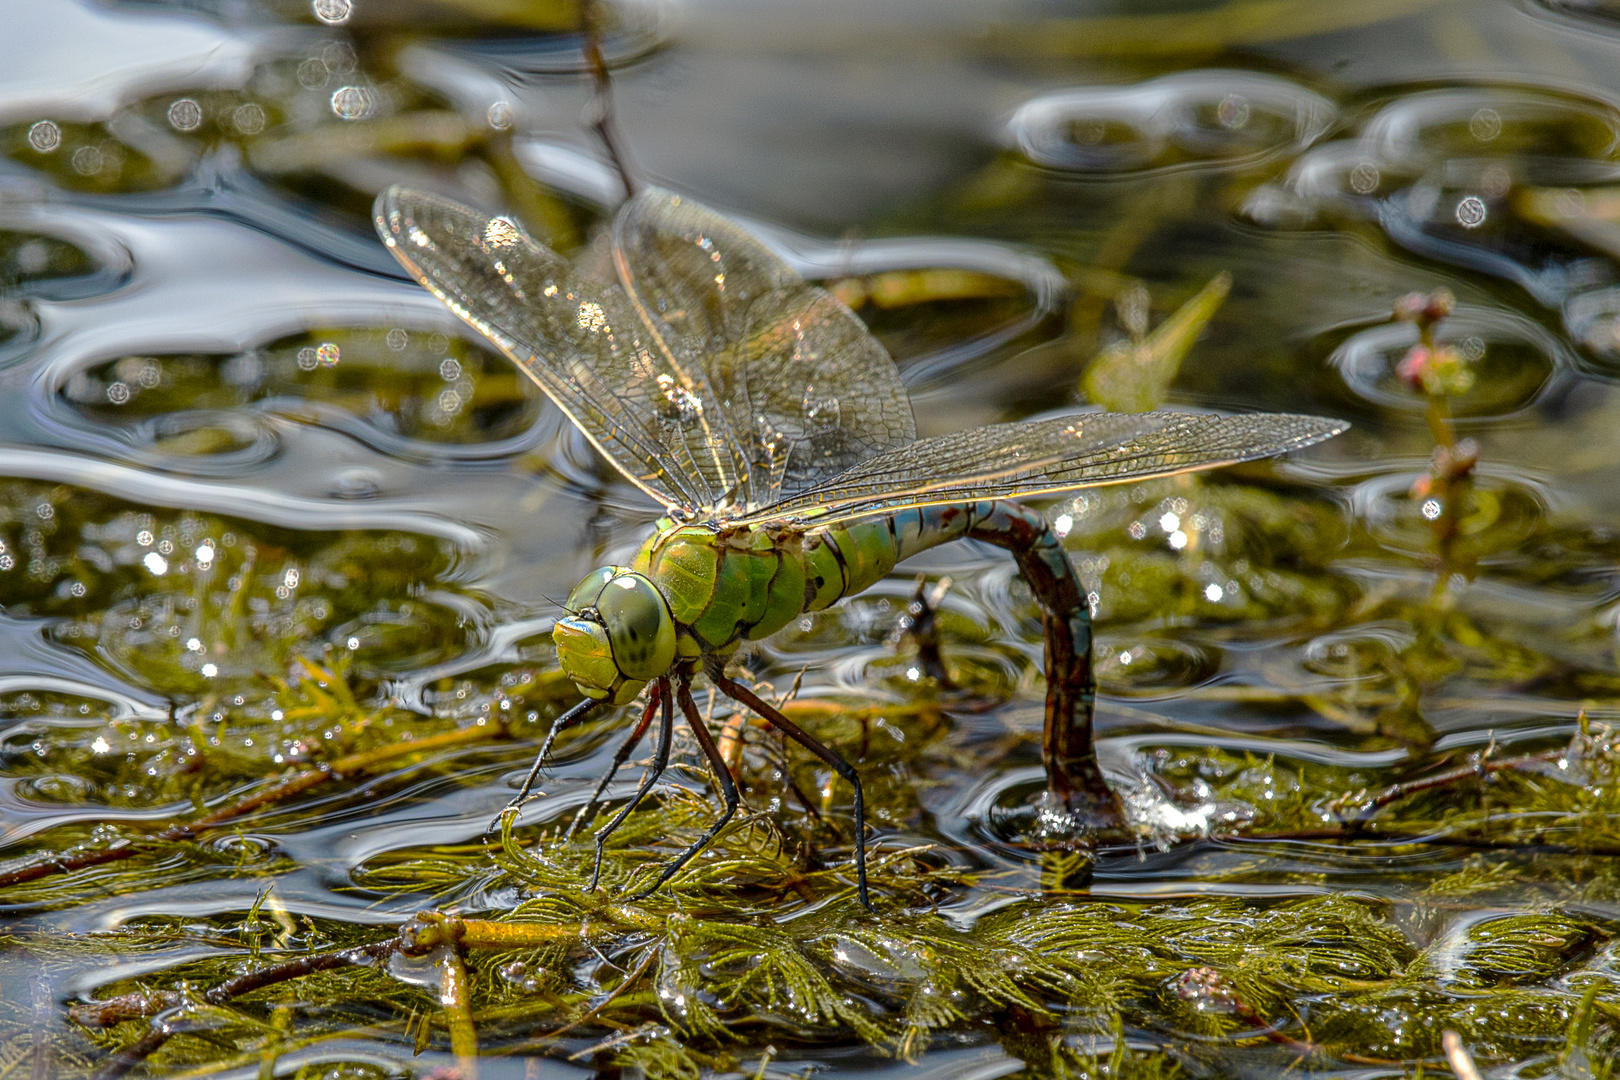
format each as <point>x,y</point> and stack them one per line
<point>307,358</point>
<point>185,115</point>
<point>353,643</point>
<point>118,393</point>
<point>248,119</point>
<point>1169,522</point>
<point>45,136</point>
<point>1137,530</point>
<point>1473,348</point>
<point>1364,178</point>
<point>1213,593</point>
<point>204,554</point>
<point>290,578</point>
<point>353,102</point>
<point>87,161</point>
<point>1485,125</point>
<point>338,56</point>
<point>1233,111</point>
<point>313,73</point>
<point>77,589</point>
<point>209,670</point>
<point>33,257</point>
<point>449,369</point>
<point>1471,212</point>
<point>1430,509</point>
<point>332,12</point>
<point>328,354</point>
<point>145,538</point>
<point>500,115</point>
<point>1178,540</point>
<point>397,339</point>
<point>449,401</point>
<point>150,375</point>
<point>194,644</point>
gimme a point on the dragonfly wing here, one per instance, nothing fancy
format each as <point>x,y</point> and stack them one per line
<point>573,331</point>
<point>1005,461</point>
<point>807,388</point>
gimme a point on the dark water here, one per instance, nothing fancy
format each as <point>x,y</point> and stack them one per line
<point>248,468</point>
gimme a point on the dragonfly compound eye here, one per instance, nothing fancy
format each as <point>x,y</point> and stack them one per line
<point>585,593</point>
<point>639,626</point>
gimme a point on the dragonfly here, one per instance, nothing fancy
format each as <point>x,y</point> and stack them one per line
<point>775,432</point>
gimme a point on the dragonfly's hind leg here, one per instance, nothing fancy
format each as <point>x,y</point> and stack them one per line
<point>722,775</point>
<point>666,728</point>
<point>620,756</point>
<point>774,717</point>
<point>1073,775</point>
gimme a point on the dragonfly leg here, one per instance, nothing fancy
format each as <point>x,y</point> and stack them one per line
<point>774,717</point>
<point>666,728</point>
<point>622,755</point>
<point>1074,777</point>
<point>562,723</point>
<point>722,774</point>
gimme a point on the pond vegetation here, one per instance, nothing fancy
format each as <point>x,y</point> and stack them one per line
<point>280,543</point>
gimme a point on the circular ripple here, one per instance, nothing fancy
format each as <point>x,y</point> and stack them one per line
<point>1193,116</point>
<point>1150,667</point>
<point>1501,514</point>
<point>1514,362</point>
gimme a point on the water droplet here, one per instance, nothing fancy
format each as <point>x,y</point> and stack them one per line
<point>328,354</point>
<point>118,393</point>
<point>332,12</point>
<point>45,136</point>
<point>313,73</point>
<point>185,115</point>
<point>449,369</point>
<point>248,119</point>
<point>398,339</point>
<point>353,102</point>
<point>1485,125</point>
<point>501,116</point>
<point>1364,178</point>
<point>87,160</point>
<point>501,232</point>
<point>1471,212</point>
<point>1233,112</point>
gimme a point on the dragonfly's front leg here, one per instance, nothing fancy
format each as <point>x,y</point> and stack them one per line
<point>1073,775</point>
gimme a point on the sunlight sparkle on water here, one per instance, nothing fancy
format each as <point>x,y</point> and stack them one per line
<point>156,563</point>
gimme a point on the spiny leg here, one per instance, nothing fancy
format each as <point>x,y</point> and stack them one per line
<point>666,728</point>
<point>722,774</point>
<point>626,748</point>
<point>562,723</point>
<point>804,739</point>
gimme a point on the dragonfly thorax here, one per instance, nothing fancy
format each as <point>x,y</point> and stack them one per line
<point>617,635</point>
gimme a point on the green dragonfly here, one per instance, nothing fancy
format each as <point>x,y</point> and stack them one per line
<point>775,432</point>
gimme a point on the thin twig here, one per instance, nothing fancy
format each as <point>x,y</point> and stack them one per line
<point>601,105</point>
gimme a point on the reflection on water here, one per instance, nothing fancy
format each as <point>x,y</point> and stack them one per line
<point>266,506</point>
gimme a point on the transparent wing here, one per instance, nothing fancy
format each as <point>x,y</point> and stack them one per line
<point>576,333</point>
<point>1013,460</point>
<point>805,386</point>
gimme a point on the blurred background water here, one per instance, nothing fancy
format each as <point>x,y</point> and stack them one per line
<point>234,435</point>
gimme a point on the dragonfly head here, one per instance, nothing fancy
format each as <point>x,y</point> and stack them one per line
<point>617,636</point>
